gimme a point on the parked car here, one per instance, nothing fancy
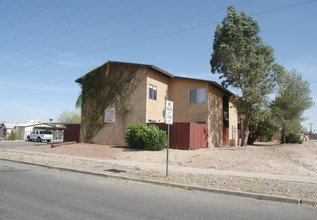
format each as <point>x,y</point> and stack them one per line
<point>40,135</point>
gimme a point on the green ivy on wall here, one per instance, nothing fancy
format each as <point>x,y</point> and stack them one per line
<point>101,88</point>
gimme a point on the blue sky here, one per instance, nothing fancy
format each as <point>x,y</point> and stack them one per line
<point>47,44</point>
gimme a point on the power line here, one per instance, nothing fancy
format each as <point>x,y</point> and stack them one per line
<point>8,25</point>
<point>10,6</point>
<point>53,22</point>
<point>151,38</point>
<point>16,9</point>
<point>85,26</point>
<point>113,47</point>
<point>282,8</point>
<point>133,31</point>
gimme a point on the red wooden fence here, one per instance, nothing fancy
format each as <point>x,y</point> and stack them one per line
<point>186,135</point>
<point>72,132</point>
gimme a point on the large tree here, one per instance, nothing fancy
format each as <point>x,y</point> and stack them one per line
<point>244,62</point>
<point>69,117</point>
<point>292,100</point>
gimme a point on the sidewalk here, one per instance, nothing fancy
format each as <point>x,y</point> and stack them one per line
<point>173,168</point>
<point>224,181</point>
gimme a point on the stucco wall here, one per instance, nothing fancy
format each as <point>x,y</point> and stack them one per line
<point>139,107</point>
<point>155,109</point>
<point>133,109</point>
<point>215,116</point>
<point>233,120</point>
<point>184,111</point>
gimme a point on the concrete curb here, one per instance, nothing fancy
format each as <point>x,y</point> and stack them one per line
<point>182,186</point>
<point>309,202</point>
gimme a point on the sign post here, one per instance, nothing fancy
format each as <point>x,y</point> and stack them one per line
<point>168,121</point>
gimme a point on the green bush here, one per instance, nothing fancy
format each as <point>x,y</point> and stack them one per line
<point>293,138</point>
<point>144,136</point>
<point>14,135</point>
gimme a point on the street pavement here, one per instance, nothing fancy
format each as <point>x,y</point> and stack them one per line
<point>12,144</point>
<point>32,192</point>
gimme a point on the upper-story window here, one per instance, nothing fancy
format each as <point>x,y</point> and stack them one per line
<point>152,92</point>
<point>197,95</point>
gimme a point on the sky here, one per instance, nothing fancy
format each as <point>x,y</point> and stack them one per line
<point>45,45</point>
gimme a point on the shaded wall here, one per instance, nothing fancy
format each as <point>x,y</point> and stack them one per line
<point>135,104</point>
<point>215,116</point>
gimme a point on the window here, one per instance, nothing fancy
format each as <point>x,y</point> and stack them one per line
<point>153,92</point>
<point>45,132</point>
<point>197,95</point>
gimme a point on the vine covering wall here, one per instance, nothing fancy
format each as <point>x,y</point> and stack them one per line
<point>105,86</point>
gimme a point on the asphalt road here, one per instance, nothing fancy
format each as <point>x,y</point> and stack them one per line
<point>31,192</point>
<point>12,144</point>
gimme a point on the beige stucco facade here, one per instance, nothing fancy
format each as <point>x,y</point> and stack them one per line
<point>114,132</point>
<point>233,122</point>
<point>155,109</point>
<point>215,117</point>
<point>184,111</point>
<point>139,107</point>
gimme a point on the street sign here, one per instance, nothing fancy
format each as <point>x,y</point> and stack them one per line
<point>168,121</point>
<point>169,112</point>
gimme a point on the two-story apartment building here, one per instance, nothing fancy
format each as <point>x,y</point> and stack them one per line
<point>195,100</point>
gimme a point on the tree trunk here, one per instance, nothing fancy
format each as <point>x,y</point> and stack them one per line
<point>283,138</point>
<point>246,131</point>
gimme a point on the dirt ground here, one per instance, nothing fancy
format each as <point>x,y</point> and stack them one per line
<point>271,158</point>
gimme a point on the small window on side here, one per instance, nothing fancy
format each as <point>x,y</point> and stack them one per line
<point>197,95</point>
<point>152,92</point>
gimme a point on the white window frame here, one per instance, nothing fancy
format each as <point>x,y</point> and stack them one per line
<point>153,94</point>
<point>200,95</point>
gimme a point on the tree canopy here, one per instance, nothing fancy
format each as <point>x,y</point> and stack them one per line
<point>244,62</point>
<point>69,117</point>
<point>292,100</point>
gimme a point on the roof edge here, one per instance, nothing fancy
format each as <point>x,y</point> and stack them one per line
<point>163,72</point>
<point>212,83</point>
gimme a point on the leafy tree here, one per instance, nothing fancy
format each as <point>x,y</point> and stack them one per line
<point>244,62</point>
<point>262,128</point>
<point>69,117</point>
<point>79,102</point>
<point>292,100</point>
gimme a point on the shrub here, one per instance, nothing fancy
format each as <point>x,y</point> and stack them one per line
<point>144,136</point>
<point>293,138</point>
<point>14,135</point>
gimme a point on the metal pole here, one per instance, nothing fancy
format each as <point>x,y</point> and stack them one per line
<point>168,143</point>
